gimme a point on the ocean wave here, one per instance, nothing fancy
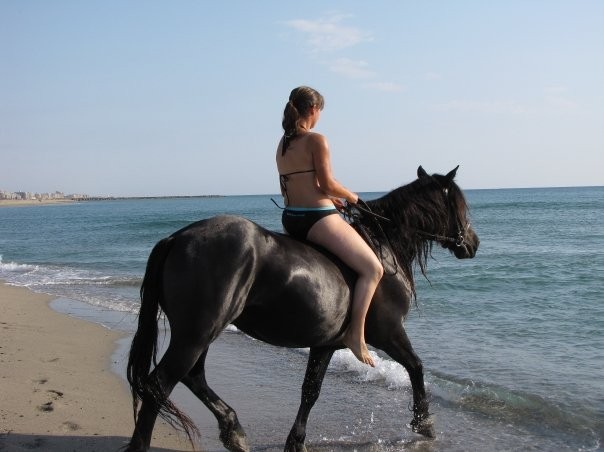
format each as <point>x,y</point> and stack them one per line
<point>116,281</point>
<point>114,292</point>
<point>39,275</point>
<point>516,407</point>
<point>15,267</point>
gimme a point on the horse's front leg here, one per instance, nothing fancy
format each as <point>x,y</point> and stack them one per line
<point>399,348</point>
<point>318,361</point>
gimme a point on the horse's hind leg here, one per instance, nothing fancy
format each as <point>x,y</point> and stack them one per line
<point>175,363</point>
<point>231,433</point>
<point>318,361</point>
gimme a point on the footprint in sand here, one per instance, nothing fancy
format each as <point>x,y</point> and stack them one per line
<point>40,381</point>
<point>48,406</point>
<point>70,426</point>
<point>55,394</point>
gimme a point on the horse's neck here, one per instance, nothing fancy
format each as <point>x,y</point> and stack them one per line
<point>396,265</point>
<point>398,237</point>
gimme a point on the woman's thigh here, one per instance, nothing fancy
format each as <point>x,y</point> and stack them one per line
<point>338,237</point>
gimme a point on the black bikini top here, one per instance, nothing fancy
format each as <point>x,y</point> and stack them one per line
<point>283,178</point>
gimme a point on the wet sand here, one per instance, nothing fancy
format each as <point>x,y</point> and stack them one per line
<point>57,388</point>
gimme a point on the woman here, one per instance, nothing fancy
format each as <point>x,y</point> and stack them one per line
<point>312,197</point>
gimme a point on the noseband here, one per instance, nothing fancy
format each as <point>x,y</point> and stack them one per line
<point>459,241</point>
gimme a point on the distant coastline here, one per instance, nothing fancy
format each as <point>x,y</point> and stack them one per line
<point>55,201</point>
<point>33,202</point>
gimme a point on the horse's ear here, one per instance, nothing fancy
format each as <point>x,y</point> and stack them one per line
<point>422,172</point>
<point>452,174</point>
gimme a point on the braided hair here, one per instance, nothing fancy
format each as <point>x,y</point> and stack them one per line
<point>300,102</point>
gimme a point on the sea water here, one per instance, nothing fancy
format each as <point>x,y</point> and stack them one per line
<point>512,341</point>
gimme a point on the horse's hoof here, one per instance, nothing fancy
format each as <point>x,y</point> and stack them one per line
<point>293,445</point>
<point>424,426</point>
<point>235,440</point>
<point>238,444</point>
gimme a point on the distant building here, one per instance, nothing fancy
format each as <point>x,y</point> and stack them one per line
<point>23,195</point>
<point>7,195</point>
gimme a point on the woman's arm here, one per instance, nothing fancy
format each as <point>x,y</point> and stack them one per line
<point>322,164</point>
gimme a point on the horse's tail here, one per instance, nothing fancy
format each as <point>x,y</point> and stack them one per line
<point>146,387</point>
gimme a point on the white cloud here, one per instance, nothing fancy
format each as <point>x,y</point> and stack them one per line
<point>359,70</point>
<point>555,89</point>
<point>556,98</point>
<point>327,34</point>
<point>388,87</point>
<point>489,107</point>
<point>351,68</point>
<point>554,101</point>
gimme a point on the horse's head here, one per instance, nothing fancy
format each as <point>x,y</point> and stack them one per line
<point>455,231</point>
<point>409,219</point>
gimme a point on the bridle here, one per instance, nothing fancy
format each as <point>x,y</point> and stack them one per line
<point>459,239</point>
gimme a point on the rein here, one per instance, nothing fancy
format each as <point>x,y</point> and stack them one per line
<point>275,203</point>
<point>362,206</point>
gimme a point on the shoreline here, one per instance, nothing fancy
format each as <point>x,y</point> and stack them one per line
<point>33,202</point>
<point>50,202</point>
<point>58,388</point>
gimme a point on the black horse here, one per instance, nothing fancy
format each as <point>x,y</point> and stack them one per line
<point>228,270</point>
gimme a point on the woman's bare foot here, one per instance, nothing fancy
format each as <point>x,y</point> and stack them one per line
<point>359,349</point>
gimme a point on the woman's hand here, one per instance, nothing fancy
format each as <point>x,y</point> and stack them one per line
<point>338,203</point>
<point>354,199</point>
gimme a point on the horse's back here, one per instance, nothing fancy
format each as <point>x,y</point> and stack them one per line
<point>275,288</point>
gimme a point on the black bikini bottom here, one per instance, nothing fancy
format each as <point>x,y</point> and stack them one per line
<point>298,221</point>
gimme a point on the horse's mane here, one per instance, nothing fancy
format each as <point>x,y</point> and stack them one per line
<point>417,213</point>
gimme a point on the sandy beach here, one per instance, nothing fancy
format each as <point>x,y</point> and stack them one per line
<point>56,385</point>
<point>32,202</point>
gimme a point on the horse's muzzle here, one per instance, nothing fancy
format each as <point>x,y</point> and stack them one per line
<point>467,246</point>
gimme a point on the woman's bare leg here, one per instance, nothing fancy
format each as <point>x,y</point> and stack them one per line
<point>337,236</point>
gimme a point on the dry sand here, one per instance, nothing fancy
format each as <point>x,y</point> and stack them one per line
<point>32,202</point>
<point>57,390</point>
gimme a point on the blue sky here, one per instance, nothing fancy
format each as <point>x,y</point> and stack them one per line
<point>185,97</point>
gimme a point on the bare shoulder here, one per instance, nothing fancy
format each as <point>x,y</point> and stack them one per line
<point>317,141</point>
